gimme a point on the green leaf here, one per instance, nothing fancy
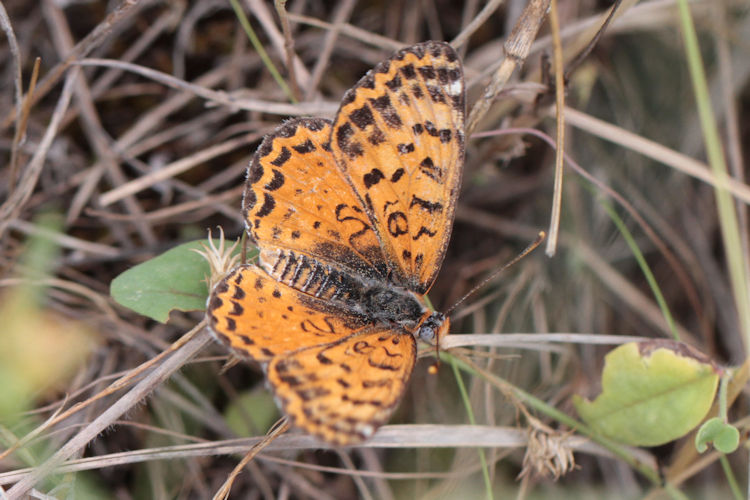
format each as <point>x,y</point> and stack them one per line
<point>724,437</point>
<point>251,413</point>
<point>652,393</point>
<point>175,280</point>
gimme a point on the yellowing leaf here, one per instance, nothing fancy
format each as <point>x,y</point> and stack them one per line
<point>39,350</point>
<point>652,393</point>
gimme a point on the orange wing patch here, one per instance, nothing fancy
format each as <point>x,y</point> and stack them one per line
<point>342,392</point>
<point>399,138</point>
<point>296,199</point>
<point>331,373</point>
<point>260,318</point>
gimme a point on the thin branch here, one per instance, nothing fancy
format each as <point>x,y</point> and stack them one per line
<point>219,97</point>
<point>554,225</point>
<point>516,48</point>
<point>343,12</point>
<point>288,47</point>
<point>13,205</point>
<point>489,9</point>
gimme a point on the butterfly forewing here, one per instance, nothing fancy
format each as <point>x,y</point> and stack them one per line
<point>296,199</point>
<point>399,138</point>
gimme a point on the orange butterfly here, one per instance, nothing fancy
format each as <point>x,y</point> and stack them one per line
<point>352,220</point>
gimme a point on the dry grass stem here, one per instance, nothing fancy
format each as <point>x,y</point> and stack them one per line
<point>554,225</point>
<point>516,49</point>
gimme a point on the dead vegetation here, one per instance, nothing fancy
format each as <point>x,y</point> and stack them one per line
<point>126,129</point>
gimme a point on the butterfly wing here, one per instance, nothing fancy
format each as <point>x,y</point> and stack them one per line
<point>343,391</point>
<point>297,200</point>
<point>260,318</point>
<point>399,139</point>
<point>332,373</point>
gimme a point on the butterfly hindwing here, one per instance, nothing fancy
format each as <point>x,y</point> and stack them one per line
<point>342,392</point>
<point>260,318</point>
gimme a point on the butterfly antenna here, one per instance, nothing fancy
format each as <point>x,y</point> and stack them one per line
<point>538,241</point>
<point>433,368</point>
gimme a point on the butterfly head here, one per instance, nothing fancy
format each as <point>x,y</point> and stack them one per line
<point>434,326</point>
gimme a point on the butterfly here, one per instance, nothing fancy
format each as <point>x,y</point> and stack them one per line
<point>351,219</point>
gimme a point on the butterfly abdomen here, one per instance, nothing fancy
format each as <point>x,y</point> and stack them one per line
<point>310,276</point>
<point>379,304</point>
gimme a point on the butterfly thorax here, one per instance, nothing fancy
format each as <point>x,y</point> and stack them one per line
<point>393,306</point>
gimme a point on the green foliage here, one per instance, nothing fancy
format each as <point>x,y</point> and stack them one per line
<point>652,393</point>
<point>175,280</point>
<point>251,413</point>
<point>724,437</point>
